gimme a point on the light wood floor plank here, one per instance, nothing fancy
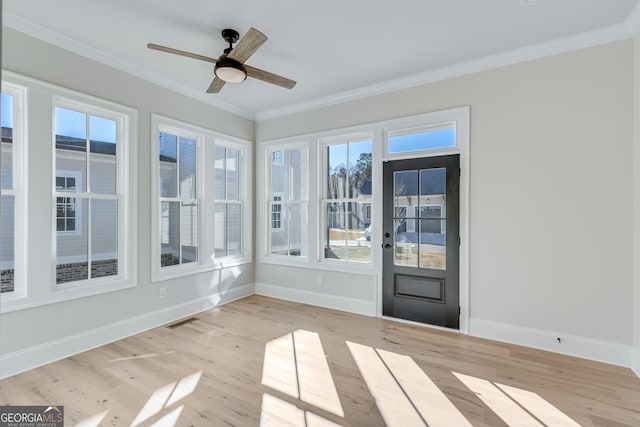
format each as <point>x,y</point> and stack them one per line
<point>227,346</point>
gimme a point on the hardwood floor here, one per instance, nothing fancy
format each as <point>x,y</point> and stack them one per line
<point>209,372</point>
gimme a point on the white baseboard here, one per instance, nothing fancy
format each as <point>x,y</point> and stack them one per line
<point>571,345</point>
<point>42,354</point>
<point>635,361</point>
<point>351,305</point>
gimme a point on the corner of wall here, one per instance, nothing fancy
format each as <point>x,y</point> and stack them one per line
<point>635,361</point>
<point>635,357</point>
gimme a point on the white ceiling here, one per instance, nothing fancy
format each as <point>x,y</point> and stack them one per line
<point>332,48</point>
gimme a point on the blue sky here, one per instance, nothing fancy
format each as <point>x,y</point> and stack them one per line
<point>7,112</point>
<point>74,124</point>
<point>441,138</point>
<point>338,152</point>
<point>68,123</point>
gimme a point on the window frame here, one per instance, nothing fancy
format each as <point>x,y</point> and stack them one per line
<point>240,201</point>
<point>379,129</point>
<point>324,200</point>
<point>19,94</point>
<point>266,194</point>
<point>39,138</point>
<point>124,189</point>
<point>206,141</point>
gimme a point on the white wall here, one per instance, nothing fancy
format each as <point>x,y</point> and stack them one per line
<point>635,365</point>
<point>68,327</point>
<point>551,197</point>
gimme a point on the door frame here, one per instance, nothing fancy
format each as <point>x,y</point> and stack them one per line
<point>461,116</point>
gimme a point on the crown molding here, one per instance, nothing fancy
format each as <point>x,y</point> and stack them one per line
<point>632,23</point>
<point>580,41</point>
<point>629,28</point>
<point>52,37</point>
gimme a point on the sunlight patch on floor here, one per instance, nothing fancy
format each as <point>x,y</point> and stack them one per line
<point>295,364</point>
<point>395,407</point>
<point>508,410</point>
<point>165,396</point>
<point>540,408</point>
<point>432,404</point>
<point>279,366</point>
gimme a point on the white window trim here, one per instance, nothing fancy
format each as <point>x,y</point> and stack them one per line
<point>265,195</point>
<point>206,141</point>
<point>47,292</point>
<point>460,115</point>
<point>19,95</point>
<point>324,143</point>
<point>244,161</point>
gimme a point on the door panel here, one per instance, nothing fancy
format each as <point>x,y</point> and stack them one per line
<point>421,240</point>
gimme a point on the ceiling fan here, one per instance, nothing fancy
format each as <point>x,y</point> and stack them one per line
<point>230,66</point>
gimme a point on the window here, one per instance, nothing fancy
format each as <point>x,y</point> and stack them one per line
<point>228,204</point>
<point>178,159</point>
<point>12,213</point>
<point>202,199</point>
<point>84,242</point>
<point>422,138</point>
<point>288,202</point>
<point>87,155</point>
<point>347,199</point>
<point>276,212</point>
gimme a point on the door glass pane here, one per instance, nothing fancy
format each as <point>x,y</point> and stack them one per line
<point>406,198</point>
<point>104,238</point>
<point>103,155</point>
<point>72,240</point>
<point>405,250</point>
<point>432,213</point>
<point>168,147</point>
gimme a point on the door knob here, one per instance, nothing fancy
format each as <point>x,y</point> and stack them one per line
<point>387,246</point>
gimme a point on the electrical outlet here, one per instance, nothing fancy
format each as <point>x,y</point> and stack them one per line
<point>163,293</point>
<point>319,280</point>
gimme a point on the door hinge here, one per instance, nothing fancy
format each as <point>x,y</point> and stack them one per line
<point>459,241</point>
<point>459,171</point>
<point>459,310</point>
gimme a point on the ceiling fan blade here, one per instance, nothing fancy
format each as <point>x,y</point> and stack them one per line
<point>247,45</point>
<point>216,85</point>
<point>268,77</point>
<point>181,53</point>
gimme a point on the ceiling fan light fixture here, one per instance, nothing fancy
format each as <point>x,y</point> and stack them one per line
<point>230,71</point>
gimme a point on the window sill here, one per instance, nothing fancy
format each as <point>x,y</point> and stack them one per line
<point>338,266</point>
<point>184,270</point>
<point>62,294</point>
